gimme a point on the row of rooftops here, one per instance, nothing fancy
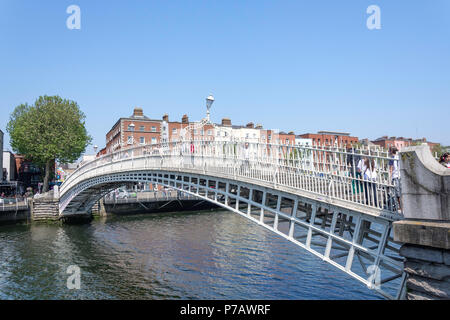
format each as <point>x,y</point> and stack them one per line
<point>383,138</point>
<point>138,114</point>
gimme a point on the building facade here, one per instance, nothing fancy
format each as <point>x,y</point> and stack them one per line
<point>330,138</point>
<point>387,143</point>
<point>401,142</point>
<point>28,174</point>
<point>132,131</point>
<point>9,166</point>
<point>138,129</point>
<point>303,142</point>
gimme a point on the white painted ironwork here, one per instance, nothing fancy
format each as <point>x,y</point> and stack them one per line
<point>328,173</point>
<point>312,196</point>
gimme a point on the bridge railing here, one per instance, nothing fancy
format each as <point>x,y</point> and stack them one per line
<point>329,171</point>
<point>13,204</point>
<point>149,196</point>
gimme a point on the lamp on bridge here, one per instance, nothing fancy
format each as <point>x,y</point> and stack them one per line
<point>209,102</point>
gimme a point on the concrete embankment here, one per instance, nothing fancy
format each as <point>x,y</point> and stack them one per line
<point>46,207</point>
<point>12,214</point>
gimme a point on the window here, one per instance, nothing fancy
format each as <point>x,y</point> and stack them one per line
<point>195,131</point>
<point>246,135</point>
<point>142,128</point>
<point>263,137</point>
<point>131,127</point>
<point>153,140</point>
<point>153,129</point>
<point>209,132</point>
<point>130,140</point>
<point>225,134</point>
<point>174,131</point>
<point>203,132</point>
<point>142,140</point>
<point>269,137</point>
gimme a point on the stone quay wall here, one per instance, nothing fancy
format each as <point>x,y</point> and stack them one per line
<point>425,231</point>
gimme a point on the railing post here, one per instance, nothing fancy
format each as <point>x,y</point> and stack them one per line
<point>263,204</point>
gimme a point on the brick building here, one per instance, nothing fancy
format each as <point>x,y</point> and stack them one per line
<point>138,129</point>
<point>134,130</point>
<point>401,142</point>
<point>330,138</point>
<point>424,140</point>
<point>386,142</point>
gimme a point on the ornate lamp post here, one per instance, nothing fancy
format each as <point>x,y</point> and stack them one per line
<point>209,102</point>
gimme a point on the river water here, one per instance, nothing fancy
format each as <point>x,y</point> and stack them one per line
<point>204,255</point>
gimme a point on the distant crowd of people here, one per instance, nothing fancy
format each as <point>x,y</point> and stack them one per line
<point>30,192</point>
<point>365,174</point>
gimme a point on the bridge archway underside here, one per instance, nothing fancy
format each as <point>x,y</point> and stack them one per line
<point>353,238</point>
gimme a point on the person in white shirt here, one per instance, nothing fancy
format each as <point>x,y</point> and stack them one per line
<point>369,173</point>
<point>394,172</point>
<point>246,164</point>
<point>358,174</point>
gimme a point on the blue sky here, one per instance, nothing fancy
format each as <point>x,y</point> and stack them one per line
<point>293,65</point>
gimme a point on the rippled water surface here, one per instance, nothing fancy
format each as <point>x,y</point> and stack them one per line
<point>207,255</point>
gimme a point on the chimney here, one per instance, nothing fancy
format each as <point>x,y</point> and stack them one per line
<point>258,126</point>
<point>166,117</point>
<point>226,122</point>
<point>291,132</point>
<point>185,119</point>
<point>250,125</point>
<point>138,112</point>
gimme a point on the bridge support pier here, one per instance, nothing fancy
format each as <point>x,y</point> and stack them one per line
<point>99,209</point>
<point>425,232</point>
<point>45,208</point>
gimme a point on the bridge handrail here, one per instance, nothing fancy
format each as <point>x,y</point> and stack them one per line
<point>329,168</point>
<point>318,148</point>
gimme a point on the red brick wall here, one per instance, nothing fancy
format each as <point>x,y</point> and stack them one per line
<point>329,139</point>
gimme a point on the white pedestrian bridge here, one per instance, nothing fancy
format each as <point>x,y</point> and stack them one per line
<point>312,196</point>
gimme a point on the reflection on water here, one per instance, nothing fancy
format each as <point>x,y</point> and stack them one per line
<point>208,255</point>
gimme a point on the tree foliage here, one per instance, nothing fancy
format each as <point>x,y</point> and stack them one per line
<point>51,129</point>
<point>439,149</point>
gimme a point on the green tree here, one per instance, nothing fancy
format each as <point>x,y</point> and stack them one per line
<point>439,149</point>
<point>51,129</point>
